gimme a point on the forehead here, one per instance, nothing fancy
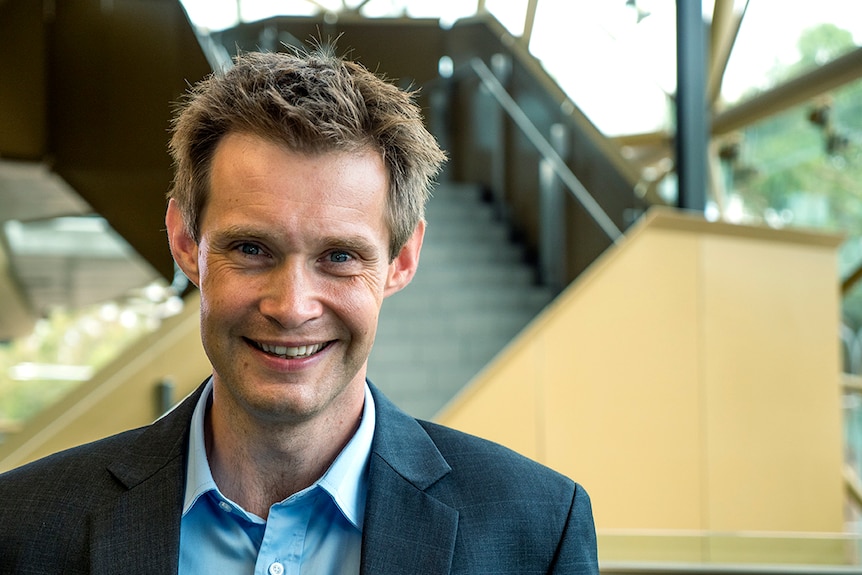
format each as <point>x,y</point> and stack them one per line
<point>242,155</point>
<point>256,178</point>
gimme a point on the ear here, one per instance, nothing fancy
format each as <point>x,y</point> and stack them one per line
<point>183,247</point>
<point>403,267</point>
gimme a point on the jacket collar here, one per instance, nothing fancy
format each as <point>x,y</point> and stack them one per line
<point>406,530</point>
<point>163,441</point>
<point>139,533</point>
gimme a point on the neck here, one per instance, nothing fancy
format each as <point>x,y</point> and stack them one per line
<point>257,464</point>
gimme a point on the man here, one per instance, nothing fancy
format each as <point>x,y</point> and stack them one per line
<point>297,208</point>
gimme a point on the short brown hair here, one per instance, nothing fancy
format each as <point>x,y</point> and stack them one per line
<point>312,102</point>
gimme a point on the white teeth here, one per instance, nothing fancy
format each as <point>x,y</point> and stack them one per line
<point>292,352</point>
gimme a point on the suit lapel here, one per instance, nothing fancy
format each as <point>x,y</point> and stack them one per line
<point>140,532</point>
<point>406,530</point>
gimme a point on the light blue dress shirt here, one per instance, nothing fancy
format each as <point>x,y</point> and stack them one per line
<point>318,530</point>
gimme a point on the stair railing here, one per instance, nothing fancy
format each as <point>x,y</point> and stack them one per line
<point>562,171</point>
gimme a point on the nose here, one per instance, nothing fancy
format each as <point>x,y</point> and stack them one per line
<point>291,295</point>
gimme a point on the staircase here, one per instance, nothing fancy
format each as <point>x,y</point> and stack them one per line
<point>472,294</point>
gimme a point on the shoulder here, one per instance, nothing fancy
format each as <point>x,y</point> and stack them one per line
<point>116,462</point>
<point>504,497</point>
<point>56,475</point>
<point>485,460</point>
<point>427,454</point>
<point>69,491</point>
<point>460,444</point>
<point>145,448</point>
<point>57,495</point>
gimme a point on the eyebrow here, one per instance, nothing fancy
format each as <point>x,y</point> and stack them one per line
<point>352,243</point>
<point>235,232</point>
<point>349,242</point>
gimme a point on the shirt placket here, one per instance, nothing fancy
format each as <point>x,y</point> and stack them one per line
<point>281,551</point>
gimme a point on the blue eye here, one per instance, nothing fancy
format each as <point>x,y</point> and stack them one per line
<point>250,249</point>
<point>339,257</point>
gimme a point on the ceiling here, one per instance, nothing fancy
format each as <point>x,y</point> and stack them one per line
<point>86,90</point>
<point>56,252</point>
<point>85,93</point>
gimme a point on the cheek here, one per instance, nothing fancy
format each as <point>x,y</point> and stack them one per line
<point>358,303</point>
<point>222,295</point>
<point>215,312</point>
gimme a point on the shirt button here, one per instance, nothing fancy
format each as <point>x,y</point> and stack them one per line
<point>225,506</point>
<point>276,569</point>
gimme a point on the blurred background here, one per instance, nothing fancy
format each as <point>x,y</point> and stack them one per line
<point>641,266</point>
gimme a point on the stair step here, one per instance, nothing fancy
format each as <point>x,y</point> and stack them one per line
<point>463,276</point>
<point>455,327</point>
<point>473,292</point>
<point>467,231</point>
<point>468,355</point>
<point>424,298</point>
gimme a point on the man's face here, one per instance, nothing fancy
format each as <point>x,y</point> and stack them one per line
<point>292,265</point>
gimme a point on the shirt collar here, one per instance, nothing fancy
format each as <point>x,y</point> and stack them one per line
<point>346,480</point>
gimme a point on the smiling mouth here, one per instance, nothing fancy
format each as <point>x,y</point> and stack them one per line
<point>290,352</point>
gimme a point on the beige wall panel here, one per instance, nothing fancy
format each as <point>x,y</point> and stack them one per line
<point>623,393</point>
<point>772,367</point>
<point>509,407</point>
<point>689,382</point>
<point>647,546</point>
<point>772,548</point>
<point>750,548</point>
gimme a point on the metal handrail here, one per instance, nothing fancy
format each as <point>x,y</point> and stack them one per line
<point>496,89</point>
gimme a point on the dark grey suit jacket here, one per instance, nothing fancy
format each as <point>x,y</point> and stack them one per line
<point>439,501</point>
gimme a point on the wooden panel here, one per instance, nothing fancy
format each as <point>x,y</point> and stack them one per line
<point>772,365</point>
<point>489,411</point>
<point>22,80</point>
<point>114,71</point>
<point>623,390</point>
<point>689,381</point>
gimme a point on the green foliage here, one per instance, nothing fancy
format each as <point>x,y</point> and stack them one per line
<point>823,43</point>
<point>807,163</point>
<point>810,151</point>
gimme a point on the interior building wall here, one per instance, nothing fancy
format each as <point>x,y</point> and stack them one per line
<point>689,380</point>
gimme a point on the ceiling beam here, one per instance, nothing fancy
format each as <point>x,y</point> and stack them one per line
<point>529,21</point>
<point>799,90</point>
<point>725,28</point>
